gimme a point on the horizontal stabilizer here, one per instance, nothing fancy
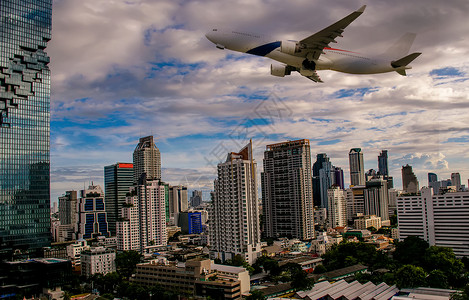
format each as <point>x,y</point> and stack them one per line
<point>401,71</point>
<point>405,60</point>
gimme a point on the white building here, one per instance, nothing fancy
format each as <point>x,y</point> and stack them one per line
<point>74,251</point>
<point>98,260</point>
<point>234,217</point>
<point>336,213</point>
<point>143,224</point>
<point>441,220</point>
<point>177,202</point>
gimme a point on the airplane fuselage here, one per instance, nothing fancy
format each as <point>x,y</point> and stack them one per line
<point>331,59</point>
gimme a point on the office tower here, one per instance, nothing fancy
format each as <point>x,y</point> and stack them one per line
<point>147,160</point>
<point>54,208</point>
<point>376,199</point>
<point>383,163</point>
<point>357,170</point>
<point>286,190</point>
<point>326,180</point>
<point>410,183</point>
<point>432,177</point>
<point>336,212</point>
<point>456,181</point>
<point>25,29</point>
<point>317,166</point>
<point>234,215</point>
<point>441,220</point>
<point>339,177</point>
<point>118,179</point>
<point>143,223</point>
<point>177,201</point>
<point>92,220</point>
<point>196,198</point>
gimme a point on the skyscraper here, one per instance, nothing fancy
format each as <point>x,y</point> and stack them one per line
<point>317,166</point>
<point>383,163</point>
<point>234,215</point>
<point>177,201</point>
<point>336,212</point>
<point>118,179</point>
<point>92,220</point>
<point>410,183</point>
<point>456,181</point>
<point>357,170</point>
<point>196,198</point>
<point>286,190</point>
<point>147,160</point>
<point>432,177</point>
<point>25,29</point>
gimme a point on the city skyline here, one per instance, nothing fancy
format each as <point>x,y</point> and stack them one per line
<point>141,68</point>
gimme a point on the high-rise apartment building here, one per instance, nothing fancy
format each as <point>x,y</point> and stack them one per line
<point>146,211</point>
<point>118,179</point>
<point>456,181</point>
<point>68,208</point>
<point>441,220</point>
<point>376,199</point>
<point>410,183</point>
<point>336,212</point>
<point>91,212</point>
<point>147,159</point>
<point>355,199</point>
<point>234,215</point>
<point>25,29</point>
<point>357,169</point>
<point>286,190</point>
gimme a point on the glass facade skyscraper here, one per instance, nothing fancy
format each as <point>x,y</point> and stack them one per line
<point>118,179</point>
<point>25,29</point>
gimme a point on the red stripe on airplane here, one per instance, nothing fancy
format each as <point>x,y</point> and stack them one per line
<point>335,49</point>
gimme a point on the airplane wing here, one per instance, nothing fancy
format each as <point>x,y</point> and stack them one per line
<point>318,41</point>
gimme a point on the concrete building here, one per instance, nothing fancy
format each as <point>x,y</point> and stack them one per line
<point>198,277</point>
<point>410,184</point>
<point>320,216</point>
<point>287,190</point>
<point>456,181</point>
<point>357,169</point>
<point>177,202</point>
<point>441,220</point>
<point>364,222</point>
<point>234,216</point>
<point>143,224</point>
<point>355,199</point>
<point>68,217</point>
<point>97,260</point>
<point>337,215</point>
<point>92,217</point>
<point>74,251</point>
<point>147,160</point>
<point>376,199</point>
<point>118,178</point>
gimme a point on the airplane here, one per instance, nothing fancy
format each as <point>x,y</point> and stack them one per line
<point>314,52</point>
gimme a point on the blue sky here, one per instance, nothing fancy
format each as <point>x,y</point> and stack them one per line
<point>126,69</point>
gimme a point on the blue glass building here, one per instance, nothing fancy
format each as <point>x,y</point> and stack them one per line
<point>25,29</point>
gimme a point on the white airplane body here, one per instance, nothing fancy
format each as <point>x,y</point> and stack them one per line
<point>314,52</point>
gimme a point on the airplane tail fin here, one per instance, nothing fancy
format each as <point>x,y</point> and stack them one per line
<point>401,47</point>
<point>401,64</point>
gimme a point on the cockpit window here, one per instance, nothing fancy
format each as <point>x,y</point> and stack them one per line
<point>215,29</point>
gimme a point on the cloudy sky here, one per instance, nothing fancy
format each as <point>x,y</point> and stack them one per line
<point>122,69</point>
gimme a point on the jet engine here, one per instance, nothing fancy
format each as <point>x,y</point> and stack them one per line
<point>279,70</point>
<point>290,47</point>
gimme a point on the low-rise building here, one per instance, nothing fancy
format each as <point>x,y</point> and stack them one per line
<point>197,277</point>
<point>98,260</point>
<point>364,222</point>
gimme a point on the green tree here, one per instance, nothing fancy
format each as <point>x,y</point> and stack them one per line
<point>348,253</point>
<point>411,251</point>
<point>437,279</point>
<point>409,276</point>
<point>443,259</point>
<point>319,269</point>
<point>301,281</point>
<point>126,262</point>
<point>256,295</point>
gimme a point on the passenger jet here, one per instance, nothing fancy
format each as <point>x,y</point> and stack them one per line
<point>314,52</point>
